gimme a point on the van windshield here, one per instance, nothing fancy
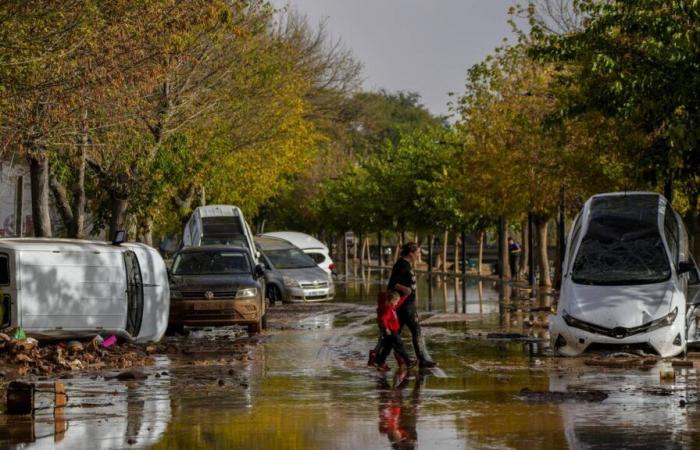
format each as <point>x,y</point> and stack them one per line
<point>290,258</point>
<point>211,263</point>
<point>622,245</point>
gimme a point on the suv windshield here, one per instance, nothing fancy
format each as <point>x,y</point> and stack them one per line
<point>211,263</point>
<point>622,245</point>
<point>289,258</point>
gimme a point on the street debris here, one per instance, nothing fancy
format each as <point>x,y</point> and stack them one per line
<point>621,361</point>
<point>26,355</point>
<point>562,396</point>
<point>22,397</point>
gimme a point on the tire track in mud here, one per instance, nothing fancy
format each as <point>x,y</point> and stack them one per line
<point>344,348</point>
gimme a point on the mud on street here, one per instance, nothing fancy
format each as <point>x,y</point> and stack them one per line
<point>303,384</point>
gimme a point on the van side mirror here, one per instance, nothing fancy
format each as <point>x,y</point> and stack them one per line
<point>259,270</point>
<point>119,237</point>
<point>685,267</point>
<point>691,269</point>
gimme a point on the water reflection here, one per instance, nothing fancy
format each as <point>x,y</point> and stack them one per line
<point>307,387</point>
<point>398,411</point>
<point>99,415</point>
<point>435,293</point>
<point>639,411</point>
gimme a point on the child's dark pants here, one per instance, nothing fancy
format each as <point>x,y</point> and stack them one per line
<point>391,341</point>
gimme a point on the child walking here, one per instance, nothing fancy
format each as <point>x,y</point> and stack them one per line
<point>389,325</point>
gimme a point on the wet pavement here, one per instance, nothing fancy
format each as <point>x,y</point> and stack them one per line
<point>304,385</point>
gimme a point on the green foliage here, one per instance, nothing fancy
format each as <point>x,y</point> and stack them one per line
<point>638,62</point>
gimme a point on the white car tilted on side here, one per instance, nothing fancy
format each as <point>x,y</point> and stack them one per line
<point>65,288</point>
<point>629,282</point>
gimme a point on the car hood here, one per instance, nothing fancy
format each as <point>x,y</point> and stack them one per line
<point>306,275</point>
<point>618,306</point>
<point>211,282</point>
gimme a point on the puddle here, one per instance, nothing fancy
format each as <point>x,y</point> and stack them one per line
<point>304,385</point>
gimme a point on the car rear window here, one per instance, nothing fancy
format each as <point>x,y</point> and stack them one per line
<point>223,230</point>
<point>4,270</point>
<point>318,257</point>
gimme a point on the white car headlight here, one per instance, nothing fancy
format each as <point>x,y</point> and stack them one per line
<point>290,282</point>
<point>247,293</point>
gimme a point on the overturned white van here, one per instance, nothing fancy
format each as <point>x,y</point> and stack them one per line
<point>629,282</point>
<point>65,288</point>
<point>219,225</point>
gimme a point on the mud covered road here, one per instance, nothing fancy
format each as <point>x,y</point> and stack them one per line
<point>303,384</point>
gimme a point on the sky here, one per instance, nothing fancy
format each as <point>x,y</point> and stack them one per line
<point>424,46</point>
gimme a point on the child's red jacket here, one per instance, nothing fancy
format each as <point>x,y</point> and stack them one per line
<point>386,314</point>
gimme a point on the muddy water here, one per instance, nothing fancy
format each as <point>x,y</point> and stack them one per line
<point>304,385</point>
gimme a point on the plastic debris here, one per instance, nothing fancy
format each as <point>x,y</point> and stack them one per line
<point>95,343</point>
<point>74,346</point>
<point>110,341</point>
<point>667,373</point>
<point>19,334</point>
<point>25,345</point>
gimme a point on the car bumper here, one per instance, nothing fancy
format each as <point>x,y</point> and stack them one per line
<point>299,295</point>
<point>214,312</point>
<point>575,341</point>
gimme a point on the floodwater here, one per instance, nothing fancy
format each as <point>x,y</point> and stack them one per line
<point>304,385</point>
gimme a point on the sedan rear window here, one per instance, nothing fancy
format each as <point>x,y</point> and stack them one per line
<point>317,257</point>
<point>4,270</point>
<point>290,258</point>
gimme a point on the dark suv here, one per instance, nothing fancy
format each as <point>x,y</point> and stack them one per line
<point>216,285</point>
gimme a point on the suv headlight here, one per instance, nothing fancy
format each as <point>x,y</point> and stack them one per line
<point>247,293</point>
<point>290,282</point>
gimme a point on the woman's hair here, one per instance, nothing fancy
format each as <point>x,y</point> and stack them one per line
<point>408,248</point>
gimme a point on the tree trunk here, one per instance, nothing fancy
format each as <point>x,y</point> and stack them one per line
<point>61,201</point>
<point>525,246</point>
<point>692,221</point>
<point>399,244</point>
<point>480,257</point>
<point>345,255</point>
<point>541,226</point>
<point>420,253</point>
<point>455,266</point>
<point>364,255</point>
<point>39,176</point>
<point>146,232</point>
<point>504,259</point>
<point>354,247</point>
<point>77,228</point>
<point>445,238</point>
<point>431,255</point>
<point>118,219</point>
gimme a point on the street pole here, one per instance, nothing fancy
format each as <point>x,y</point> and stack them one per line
<point>430,254</point>
<point>464,271</point>
<point>562,239</point>
<point>430,272</point>
<point>502,250</point>
<point>532,277</point>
